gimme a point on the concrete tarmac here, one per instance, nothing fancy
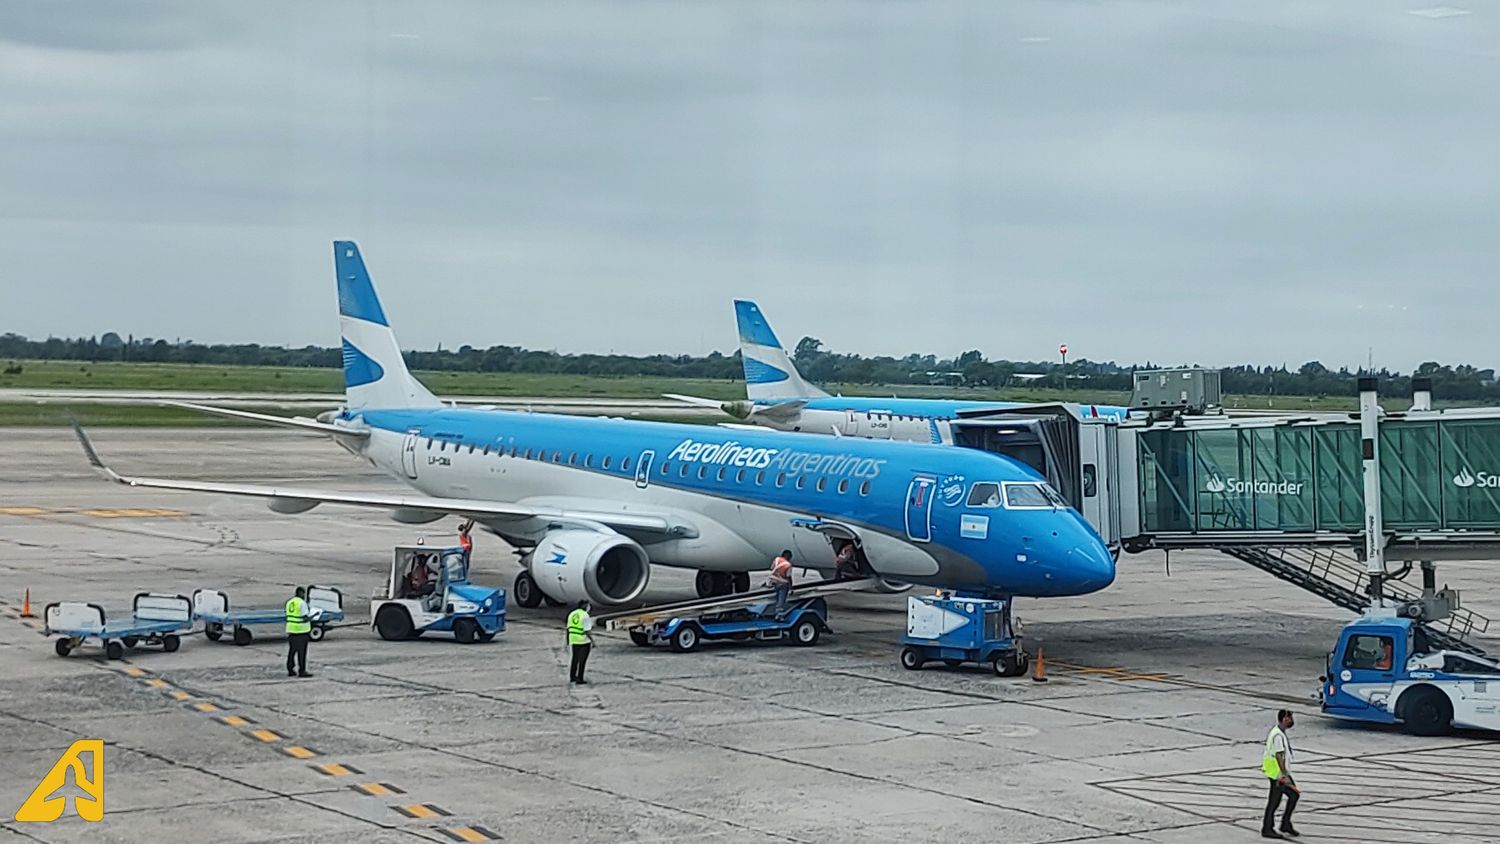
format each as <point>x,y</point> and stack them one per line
<point>1162,690</point>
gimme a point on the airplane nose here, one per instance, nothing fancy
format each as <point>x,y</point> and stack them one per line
<point>1094,565</point>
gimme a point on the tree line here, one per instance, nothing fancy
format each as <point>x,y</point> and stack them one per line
<point>817,364</point>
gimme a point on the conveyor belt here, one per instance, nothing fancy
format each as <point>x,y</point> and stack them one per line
<point>699,606</point>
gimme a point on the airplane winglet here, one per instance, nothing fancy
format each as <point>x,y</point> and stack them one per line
<point>93,456</point>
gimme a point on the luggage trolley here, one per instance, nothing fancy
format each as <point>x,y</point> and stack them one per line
<point>155,618</point>
<point>325,603</point>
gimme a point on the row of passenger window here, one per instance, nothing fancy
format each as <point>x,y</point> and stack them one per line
<point>605,462</point>
<point>539,454</point>
<point>759,479</point>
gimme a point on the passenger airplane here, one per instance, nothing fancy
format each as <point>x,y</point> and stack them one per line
<point>590,503</point>
<point>779,398</point>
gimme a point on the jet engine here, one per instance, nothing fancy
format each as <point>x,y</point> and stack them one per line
<point>606,568</point>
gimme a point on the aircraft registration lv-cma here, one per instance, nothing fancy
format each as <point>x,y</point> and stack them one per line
<point>592,502</point>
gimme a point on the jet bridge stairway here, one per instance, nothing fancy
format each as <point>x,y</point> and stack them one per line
<point>1337,576</point>
<point>622,619</point>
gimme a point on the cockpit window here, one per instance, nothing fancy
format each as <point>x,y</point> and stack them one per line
<point>984,494</point>
<point>1026,495</point>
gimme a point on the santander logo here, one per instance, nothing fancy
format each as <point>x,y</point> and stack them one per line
<point>1467,480</point>
<point>1218,485</point>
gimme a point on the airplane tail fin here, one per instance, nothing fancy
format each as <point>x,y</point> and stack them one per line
<point>769,372</point>
<point>375,375</point>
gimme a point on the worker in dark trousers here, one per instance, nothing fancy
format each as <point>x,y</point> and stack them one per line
<point>580,641</point>
<point>1276,764</point>
<point>298,632</point>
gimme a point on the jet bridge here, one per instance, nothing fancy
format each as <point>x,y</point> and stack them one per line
<point>1284,493</point>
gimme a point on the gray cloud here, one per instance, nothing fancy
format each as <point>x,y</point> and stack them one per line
<point>1215,182</point>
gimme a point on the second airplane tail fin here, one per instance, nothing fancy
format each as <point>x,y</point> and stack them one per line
<point>770,374</point>
<point>375,375</point>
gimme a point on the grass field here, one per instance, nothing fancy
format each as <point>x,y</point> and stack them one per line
<point>265,379</point>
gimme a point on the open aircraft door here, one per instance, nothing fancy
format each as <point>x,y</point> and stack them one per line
<point>839,532</point>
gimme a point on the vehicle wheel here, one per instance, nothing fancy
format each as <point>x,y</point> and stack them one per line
<point>213,631</point>
<point>465,630</point>
<point>741,581</point>
<point>316,634</point>
<point>130,641</point>
<point>806,632</point>
<point>170,642</point>
<point>63,647</point>
<point>549,600</point>
<point>1426,711</point>
<point>911,659</point>
<point>114,650</point>
<point>685,639</point>
<point>953,663</point>
<point>527,593</point>
<point>640,638</point>
<point>707,583</point>
<point>393,622</point>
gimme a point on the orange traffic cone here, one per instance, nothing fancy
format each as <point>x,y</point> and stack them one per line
<point>26,606</point>
<point>1039,675</point>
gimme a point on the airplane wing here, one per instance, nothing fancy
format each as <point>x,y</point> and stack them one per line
<point>782,410</point>
<point>299,422</point>
<point>291,499</point>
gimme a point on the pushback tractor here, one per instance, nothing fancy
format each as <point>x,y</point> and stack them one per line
<point>429,590</point>
<point>1384,671</point>
<point>210,606</point>
<point>155,619</point>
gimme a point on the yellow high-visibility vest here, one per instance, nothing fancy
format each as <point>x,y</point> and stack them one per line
<point>1268,763</point>
<point>578,627</point>
<point>296,616</point>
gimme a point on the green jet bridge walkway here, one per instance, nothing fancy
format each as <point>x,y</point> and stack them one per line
<point>1286,494</point>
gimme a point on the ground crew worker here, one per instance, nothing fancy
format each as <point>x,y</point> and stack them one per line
<point>298,632</point>
<point>846,563</point>
<point>1276,764</point>
<point>465,540</point>
<point>580,641</point>
<point>781,580</point>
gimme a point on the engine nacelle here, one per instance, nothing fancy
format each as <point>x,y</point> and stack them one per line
<point>891,587</point>
<point>607,569</point>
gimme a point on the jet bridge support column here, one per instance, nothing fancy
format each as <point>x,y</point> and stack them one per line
<point>1421,394</point>
<point>1369,427</point>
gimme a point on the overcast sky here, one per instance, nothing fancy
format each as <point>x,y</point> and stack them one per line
<point>1214,182</point>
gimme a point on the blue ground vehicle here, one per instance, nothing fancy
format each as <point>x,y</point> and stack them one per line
<point>1383,671</point>
<point>803,623</point>
<point>958,630</point>
<point>155,619</point>
<point>211,607</point>
<point>429,590</point>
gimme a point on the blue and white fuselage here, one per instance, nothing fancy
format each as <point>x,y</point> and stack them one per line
<point>591,503</point>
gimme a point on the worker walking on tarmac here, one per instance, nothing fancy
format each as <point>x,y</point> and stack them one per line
<point>298,632</point>
<point>580,641</point>
<point>1276,764</point>
<point>781,580</point>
